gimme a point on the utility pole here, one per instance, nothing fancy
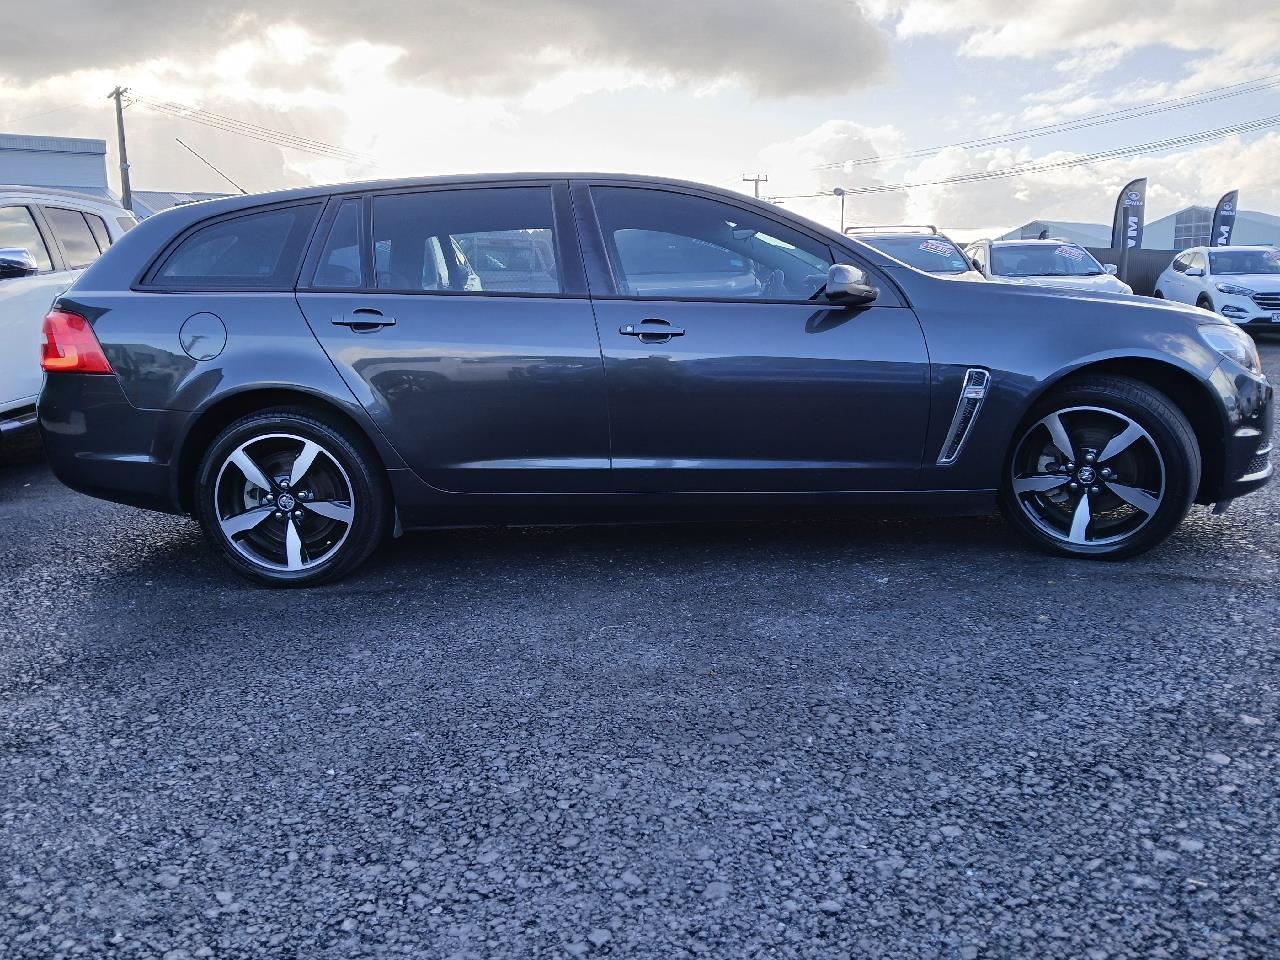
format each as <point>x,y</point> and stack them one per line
<point>126,193</point>
<point>758,179</point>
<point>841,192</point>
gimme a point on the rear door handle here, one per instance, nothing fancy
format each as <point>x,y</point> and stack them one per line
<point>363,320</point>
<point>651,330</point>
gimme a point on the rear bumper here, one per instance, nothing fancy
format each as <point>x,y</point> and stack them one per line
<point>100,444</point>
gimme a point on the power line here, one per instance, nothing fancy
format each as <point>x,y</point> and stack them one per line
<point>1079,123</point>
<point>210,166</point>
<point>45,113</point>
<point>1028,167</point>
<point>252,131</point>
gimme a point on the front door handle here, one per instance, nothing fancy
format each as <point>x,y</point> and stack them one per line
<point>651,330</point>
<point>363,320</point>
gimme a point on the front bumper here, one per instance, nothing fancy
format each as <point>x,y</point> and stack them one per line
<point>1244,311</point>
<point>100,444</point>
<point>1250,405</point>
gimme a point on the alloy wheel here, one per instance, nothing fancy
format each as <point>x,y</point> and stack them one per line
<point>284,502</point>
<point>1088,476</point>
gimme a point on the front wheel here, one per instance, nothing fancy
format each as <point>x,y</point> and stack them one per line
<point>290,499</point>
<point>1105,467</point>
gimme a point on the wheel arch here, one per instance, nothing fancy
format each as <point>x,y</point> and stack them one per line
<point>1190,394</point>
<point>226,409</point>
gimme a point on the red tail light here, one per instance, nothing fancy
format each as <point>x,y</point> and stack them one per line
<point>70,345</point>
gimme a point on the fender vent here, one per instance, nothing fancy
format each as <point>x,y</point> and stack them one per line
<point>972,394</point>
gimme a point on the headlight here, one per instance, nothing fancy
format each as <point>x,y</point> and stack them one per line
<point>1230,341</point>
<point>1233,290</point>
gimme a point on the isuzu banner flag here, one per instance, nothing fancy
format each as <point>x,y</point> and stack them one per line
<point>1126,227</point>
<point>1224,219</point>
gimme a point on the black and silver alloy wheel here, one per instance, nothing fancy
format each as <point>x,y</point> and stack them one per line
<point>292,498</point>
<point>1105,467</point>
<point>284,502</point>
<point>1088,476</point>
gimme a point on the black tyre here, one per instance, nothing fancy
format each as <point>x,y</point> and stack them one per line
<point>1103,467</point>
<point>1204,303</point>
<point>1158,295</point>
<point>291,499</point>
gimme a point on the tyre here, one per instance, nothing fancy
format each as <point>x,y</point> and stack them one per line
<point>291,499</point>
<point>1158,295</point>
<point>1204,303</point>
<point>1104,467</point>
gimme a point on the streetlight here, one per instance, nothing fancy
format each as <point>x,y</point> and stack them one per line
<point>840,192</point>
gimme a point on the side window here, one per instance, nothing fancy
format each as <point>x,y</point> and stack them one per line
<point>258,250</point>
<point>18,229</point>
<point>126,223</point>
<point>1198,261</point>
<point>1181,262</point>
<point>665,244</point>
<point>339,266</point>
<point>99,230</point>
<point>74,236</point>
<point>979,256</point>
<point>492,240</point>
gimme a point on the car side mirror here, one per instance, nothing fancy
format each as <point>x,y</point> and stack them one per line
<point>17,262</point>
<point>1111,268</point>
<point>1195,271</point>
<point>847,285</point>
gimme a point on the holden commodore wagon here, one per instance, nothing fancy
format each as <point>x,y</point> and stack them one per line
<point>307,372</point>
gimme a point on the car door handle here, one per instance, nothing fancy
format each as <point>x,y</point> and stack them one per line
<point>363,320</point>
<point>659,330</point>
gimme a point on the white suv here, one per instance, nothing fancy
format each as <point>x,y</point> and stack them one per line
<point>46,238</point>
<point>1241,283</point>
<point>1047,263</point>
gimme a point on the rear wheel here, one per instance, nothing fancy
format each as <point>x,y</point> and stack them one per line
<point>290,499</point>
<point>1105,467</point>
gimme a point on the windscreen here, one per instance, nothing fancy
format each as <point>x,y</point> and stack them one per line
<point>930,254</point>
<point>1225,263</point>
<point>1043,260</point>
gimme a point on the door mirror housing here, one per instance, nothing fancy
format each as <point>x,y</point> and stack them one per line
<point>847,285</point>
<point>1111,268</point>
<point>17,262</point>
<point>1195,271</point>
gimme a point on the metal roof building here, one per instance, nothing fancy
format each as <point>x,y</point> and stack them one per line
<point>147,203</point>
<point>66,163</point>
<point>1188,227</point>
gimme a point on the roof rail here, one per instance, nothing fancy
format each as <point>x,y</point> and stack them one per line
<point>903,227</point>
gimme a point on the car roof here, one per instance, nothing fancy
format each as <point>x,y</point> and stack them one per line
<point>1048,241</point>
<point>57,194</point>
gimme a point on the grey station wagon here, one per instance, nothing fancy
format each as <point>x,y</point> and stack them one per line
<point>308,371</point>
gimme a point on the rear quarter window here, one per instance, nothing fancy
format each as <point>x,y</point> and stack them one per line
<point>254,250</point>
<point>74,236</point>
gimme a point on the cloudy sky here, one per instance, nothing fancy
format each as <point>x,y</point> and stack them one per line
<point>702,89</point>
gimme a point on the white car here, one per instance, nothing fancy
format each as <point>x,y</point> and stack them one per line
<point>1241,283</point>
<point>1048,263</point>
<point>921,247</point>
<point>46,238</point>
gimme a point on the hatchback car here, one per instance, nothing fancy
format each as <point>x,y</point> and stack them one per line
<point>1241,283</point>
<point>1050,263</point>
<point>309,371</point>
<point>46,238</point>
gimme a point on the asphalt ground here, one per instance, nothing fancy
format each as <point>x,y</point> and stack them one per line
<point>880,739</point>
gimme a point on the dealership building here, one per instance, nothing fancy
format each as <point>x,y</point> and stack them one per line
<point>77,164</point>
<point>1188,227</point>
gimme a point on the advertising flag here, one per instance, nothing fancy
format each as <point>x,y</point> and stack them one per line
<point>1126,226</point>
<point>1224,219</point>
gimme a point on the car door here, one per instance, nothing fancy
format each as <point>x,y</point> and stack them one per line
<point>24,301</point>
<point>726,370</point>
<point>1197,285</point>
<point>459,317</point>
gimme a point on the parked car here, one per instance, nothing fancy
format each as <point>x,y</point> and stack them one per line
<point>922,247</point>
<point>46,238</point>
<point>1050,263</point>
<point>1241,283</point>
<point>208,363</point>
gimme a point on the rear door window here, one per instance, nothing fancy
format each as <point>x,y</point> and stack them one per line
<point>261,250</point>
<point>18,230</point>
<point>99,230</point>
<point>491,240</point>
<point>74,236</point>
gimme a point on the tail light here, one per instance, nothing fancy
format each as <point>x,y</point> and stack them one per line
<point>70,345</point>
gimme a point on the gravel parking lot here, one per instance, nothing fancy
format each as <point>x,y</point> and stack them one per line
<point>890,739</point>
